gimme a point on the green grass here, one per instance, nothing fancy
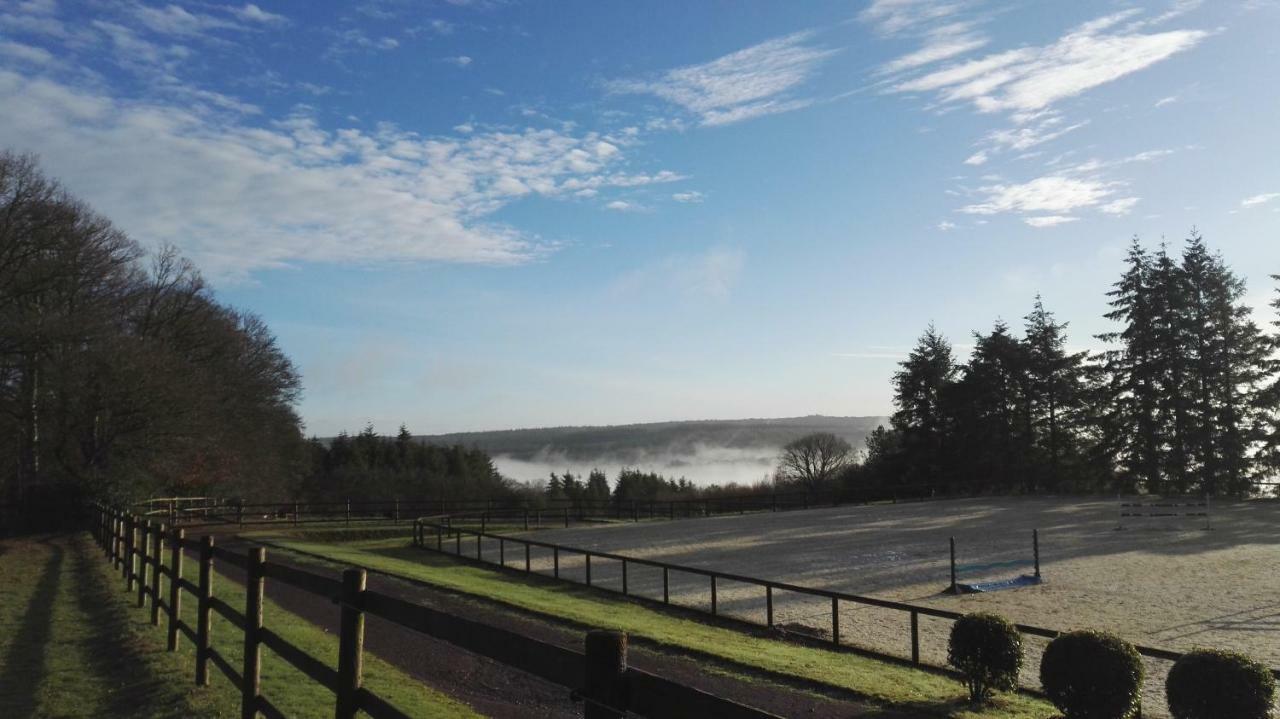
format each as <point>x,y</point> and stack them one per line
<point>891,684</point>
<point>73,644</point>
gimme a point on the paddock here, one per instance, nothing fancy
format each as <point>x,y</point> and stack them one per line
<point>1175,589</point>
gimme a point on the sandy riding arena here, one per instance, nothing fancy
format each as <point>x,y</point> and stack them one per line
<point>1164,583</point>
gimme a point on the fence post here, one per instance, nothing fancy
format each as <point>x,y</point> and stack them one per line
<point>1035,549</point>
<point>252,674</point>
<point>666,587</point>
<point>395,510</point>
<point>624,577</point>
<point>502,552</point>
<point>588,555</point>
<point>117,539</point>
<point>606,675</point>
<point>915,637</point>
<point>555,558</point>
<point>157,561</point>
<point>204,610</point>
<point>351,644</point>
<point>713,595</point>
<point>143,555</point>
<point>954,588</point>
<point>295,514</point>
<point>175,588</point>
<point>130,538</point>
<point>526,557</point>
<point>348,511</point>
<point>768,604</point>
<point>835,621</point>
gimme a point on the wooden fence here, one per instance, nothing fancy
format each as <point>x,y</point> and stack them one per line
<point>599,677</point>
<point>432,535</point>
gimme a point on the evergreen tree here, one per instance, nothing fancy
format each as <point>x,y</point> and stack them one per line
<point>987,412</point>
<point>1268,402</point>
<point>1056,388</point>
<point>1130,421</point>
<point>920,420</point>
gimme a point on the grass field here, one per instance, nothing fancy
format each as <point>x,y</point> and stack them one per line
<point>893,685</point>
<point>73,644</point>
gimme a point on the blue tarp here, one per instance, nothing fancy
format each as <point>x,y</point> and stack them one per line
<point>1024,580</point>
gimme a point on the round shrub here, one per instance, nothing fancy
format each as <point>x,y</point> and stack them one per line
<point>1208,684</point>
<point>987,649</point>
<point>1092,675</point>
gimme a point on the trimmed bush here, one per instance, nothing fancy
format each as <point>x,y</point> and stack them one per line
<point>1092,675</point>
<point>1209,684</point>
<point>987,649</point>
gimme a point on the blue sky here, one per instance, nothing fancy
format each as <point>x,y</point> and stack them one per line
<point>472,215</point>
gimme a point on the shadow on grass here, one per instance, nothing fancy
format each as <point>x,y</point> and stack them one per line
<point>24,664</point>
<point>112,652</point>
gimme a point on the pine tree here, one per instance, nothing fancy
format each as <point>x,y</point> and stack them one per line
<point>1130,420</point>
<point>1056,387</point>
<point>919,419</point>
<point>1169,308</point>
<point>1231,361</point>
<point>1268,401</point>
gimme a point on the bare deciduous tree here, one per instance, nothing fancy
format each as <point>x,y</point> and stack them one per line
<point>815,458</point>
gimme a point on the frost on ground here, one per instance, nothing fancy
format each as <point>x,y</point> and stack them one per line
<point>1163,583</point>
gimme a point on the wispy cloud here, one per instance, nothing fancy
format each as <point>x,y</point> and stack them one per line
<point>460,61</point>
<point>624,206</point>
<point>1261,199</point>
<point>1049,220</point>
<point>892,17</point>
<point>241,197</point>
<point>1028,80</point>
<point>691,197</point>
<point>1122,206</point>
<point>1054,194</point>
<point>758,80</point>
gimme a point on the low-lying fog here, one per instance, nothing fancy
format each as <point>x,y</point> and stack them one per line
<point>705,466</point>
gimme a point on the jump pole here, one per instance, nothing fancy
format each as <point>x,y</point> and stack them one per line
<point>1035,549</point>
<point>954,588</point>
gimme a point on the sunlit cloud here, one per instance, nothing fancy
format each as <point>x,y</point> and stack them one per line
<point>756,81</point>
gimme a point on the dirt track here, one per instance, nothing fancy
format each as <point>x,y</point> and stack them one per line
<point>1175,587</point>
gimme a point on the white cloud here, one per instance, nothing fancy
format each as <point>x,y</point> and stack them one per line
<point>1122,206</point>
<point>688,197</point>
<point>748,83</point>
<point>1262,199</point>
<point>240,197</point>
<point>1049,220</point>
<point>1028,80</point>
<point>1024,138</point>
<point>1166,101</point>
<point>624,206</point>
<point>1054,194</point>
<point>253,13</point>
<point>946,226</point>
<point>25,53</point>
<point>939,47</point>
<point>458,60</point>
<point>977,158</point>
<point>891,17</point>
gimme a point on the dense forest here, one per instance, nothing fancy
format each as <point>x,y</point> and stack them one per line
<point>1185,399</point>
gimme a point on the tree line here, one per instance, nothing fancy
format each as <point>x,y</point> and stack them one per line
<point>1184,399</point>
<point>123,376</point>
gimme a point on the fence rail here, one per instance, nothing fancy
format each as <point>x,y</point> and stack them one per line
<point>450,537</point>
<point>136,547</point>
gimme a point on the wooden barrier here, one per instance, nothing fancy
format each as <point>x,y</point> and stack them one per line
<point>600,677</point>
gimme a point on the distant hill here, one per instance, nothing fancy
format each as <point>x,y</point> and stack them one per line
<point>641,444</point>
